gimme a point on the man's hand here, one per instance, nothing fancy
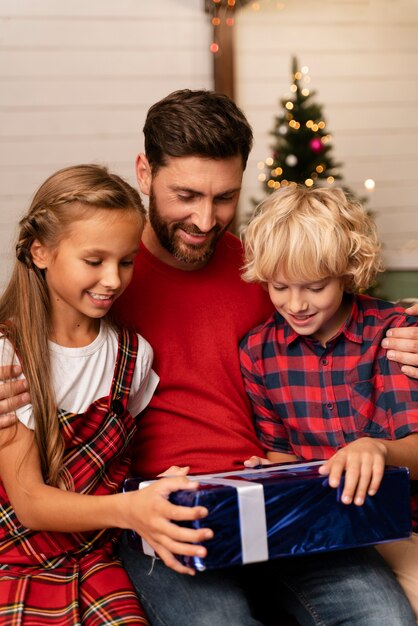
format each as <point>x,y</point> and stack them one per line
<point>364,464</point>
<point>13,394</point>
<point>402,345</point>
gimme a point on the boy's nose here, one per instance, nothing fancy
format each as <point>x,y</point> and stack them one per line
<point>297,304</point>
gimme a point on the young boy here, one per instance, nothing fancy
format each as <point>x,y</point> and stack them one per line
<point>319,381</point>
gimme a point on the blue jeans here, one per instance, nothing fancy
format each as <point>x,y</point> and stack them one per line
<point>346,587</point>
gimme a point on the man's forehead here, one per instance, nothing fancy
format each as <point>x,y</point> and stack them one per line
<point>201,161</point>
<point>195,171</point>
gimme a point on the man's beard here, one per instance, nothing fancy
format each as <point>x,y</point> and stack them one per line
<point>192,254</point>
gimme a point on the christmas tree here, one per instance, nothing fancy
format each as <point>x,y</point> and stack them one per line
<point>302,152</point>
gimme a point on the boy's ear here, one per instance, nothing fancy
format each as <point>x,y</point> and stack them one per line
<point>143,174</point>
<point>40,254</point>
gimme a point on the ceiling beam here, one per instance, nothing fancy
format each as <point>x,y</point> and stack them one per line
<point>223,60</point>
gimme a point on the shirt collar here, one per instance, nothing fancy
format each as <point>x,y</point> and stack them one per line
<point>352,329</point>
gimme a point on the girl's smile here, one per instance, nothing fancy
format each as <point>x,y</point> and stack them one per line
<point>91,266</point>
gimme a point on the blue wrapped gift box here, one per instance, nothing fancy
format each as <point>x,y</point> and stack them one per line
<point>285,510</point>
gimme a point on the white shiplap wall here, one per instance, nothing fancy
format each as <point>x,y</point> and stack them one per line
<point>363,63</point>
<point>76,80</point>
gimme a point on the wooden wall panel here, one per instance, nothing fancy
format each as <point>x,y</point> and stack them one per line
<point>76,81</point>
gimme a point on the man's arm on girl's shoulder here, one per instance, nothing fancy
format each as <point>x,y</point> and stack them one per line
<point>402,345</point>
<point>13,394</point>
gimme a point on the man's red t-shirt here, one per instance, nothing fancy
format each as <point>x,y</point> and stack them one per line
<point>200,414</point>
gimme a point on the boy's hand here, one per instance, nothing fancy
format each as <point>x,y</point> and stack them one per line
<point>152,516</point>
<point>13,394</point>
<point>255,461</point>
<point>364,464</point>
<point>272,457</point>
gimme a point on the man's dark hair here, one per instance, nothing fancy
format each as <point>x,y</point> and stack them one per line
<point>196,123</point>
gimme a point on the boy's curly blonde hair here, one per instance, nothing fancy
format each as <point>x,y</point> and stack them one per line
<point>311,234</point>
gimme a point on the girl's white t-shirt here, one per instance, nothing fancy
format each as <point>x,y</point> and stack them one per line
<point>82,375</point>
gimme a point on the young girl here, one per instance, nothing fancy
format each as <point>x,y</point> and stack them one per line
<point>63,464</point>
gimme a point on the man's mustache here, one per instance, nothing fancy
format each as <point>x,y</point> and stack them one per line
<point>191,229</point>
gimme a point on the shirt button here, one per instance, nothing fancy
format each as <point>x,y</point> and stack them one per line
<point>330,406</point>
<point>324,361</point>
<point>117,407</point>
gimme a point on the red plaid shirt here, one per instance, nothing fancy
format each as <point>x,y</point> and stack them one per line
<point>311,400</point>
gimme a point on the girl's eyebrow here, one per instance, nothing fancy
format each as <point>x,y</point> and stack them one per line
<point>100,251</point>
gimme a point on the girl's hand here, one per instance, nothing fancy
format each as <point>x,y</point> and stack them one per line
<point>175,470</point>
<point>364,464</point>
<point>152,516</point>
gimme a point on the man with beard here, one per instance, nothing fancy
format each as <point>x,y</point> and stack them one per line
<point>188,300</point>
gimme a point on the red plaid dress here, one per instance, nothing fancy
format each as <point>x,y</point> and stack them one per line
<point>69,579</point>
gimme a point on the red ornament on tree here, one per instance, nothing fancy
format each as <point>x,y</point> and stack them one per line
<point>316,145</point>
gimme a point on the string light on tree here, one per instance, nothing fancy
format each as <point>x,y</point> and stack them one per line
<point>302,149</point>
<point>291,160</point>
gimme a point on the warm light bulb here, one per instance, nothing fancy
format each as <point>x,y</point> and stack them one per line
<point>289,105</point>
<point>214,47</point>
<point>260,165</point>
<point>369,184</point>
<point>305,69</point>
<point>269,161</point>
<point>309,182</point>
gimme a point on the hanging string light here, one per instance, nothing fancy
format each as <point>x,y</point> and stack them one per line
<point>222,12</point>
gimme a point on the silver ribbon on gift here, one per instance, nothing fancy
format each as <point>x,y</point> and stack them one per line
<point>251,507</point>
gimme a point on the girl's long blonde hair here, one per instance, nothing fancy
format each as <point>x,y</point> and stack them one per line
<point>311,234</point>
<point>25,307</point>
